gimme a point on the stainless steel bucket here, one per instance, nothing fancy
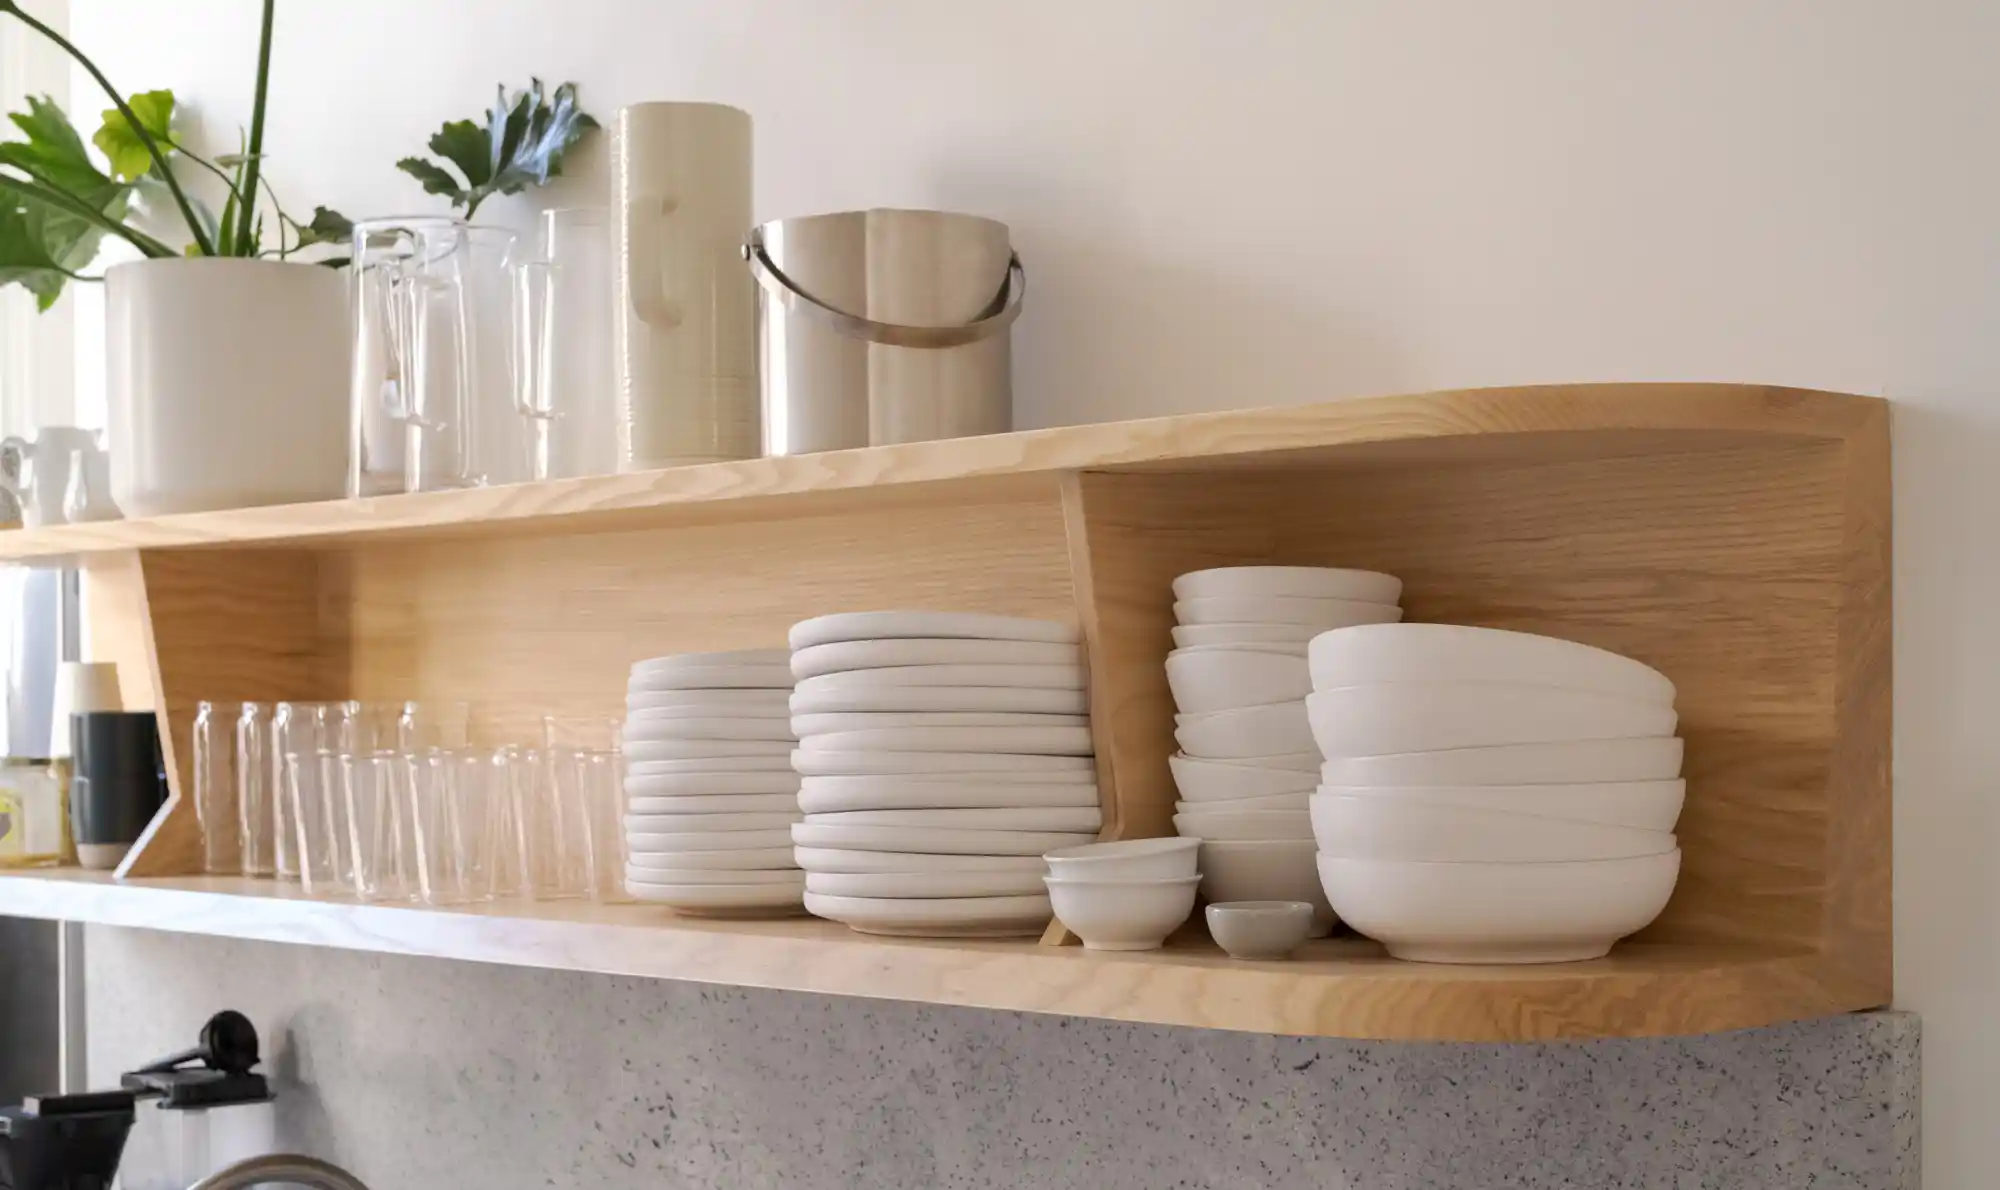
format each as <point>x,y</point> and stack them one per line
<point>884,326</point>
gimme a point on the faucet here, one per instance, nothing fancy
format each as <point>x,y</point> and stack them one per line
<point>279,1168</point>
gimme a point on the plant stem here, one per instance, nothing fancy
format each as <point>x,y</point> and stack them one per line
<point>146,138</point>
<point>83,210</point>
<point>245,235</point>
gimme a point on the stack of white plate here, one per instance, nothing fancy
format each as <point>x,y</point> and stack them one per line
<point>710,795</point>
<point>1490,796</point>
<point>1246,762</point>
<point>941,754</point>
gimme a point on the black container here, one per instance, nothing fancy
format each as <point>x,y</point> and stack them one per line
<point>118,784</point>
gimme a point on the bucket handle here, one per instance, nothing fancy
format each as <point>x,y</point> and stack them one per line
<point>998,315</point>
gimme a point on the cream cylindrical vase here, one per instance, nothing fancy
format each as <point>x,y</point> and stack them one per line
<point>685,325</point>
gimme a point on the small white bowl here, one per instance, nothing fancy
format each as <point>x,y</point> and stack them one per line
<point>1569,762</point>
<point>1257,870</point>
<point>1500,913</point>
<point>1430,716</point>
<point>1214,781</point>
<point>1396,828</point>
<point>1125,859</point>
<point>1259,930</point>
<point>1285,609</point>
<point>1374,654</point>
<point>1312,582</point>
<point>1641,805</point>
<point>1245,824</point>
<point>1122,915</point>
<point>1224,679</point>
<point>1272,801</point>
<point>1246,733</point>
<point>1291,638</point>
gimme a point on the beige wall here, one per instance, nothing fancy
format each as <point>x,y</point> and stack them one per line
<point>1269,201</point>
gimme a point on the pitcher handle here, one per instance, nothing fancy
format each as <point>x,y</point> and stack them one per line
<point>645,270</point>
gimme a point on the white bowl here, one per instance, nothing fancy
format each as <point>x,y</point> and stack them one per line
<point>1246,733</point>
<point>1224,679</point>
<point>1312,582</point>
<point>1264,930</point>
<point>887,625</point>
<point>1641,805</point>
<point>1021,741</point>
<point>1289,638</point>
<point>675,824</point>
<point>1572,762</point>
<point>842,656</point>
<point>1122,915</point>
<point>923,885</point>
<point>1272,801</point>
<point>1260,870</point>
<point>1433,716</point>
<point>1360,656</point>
<point>1395,828</point>
<point>1245,824</point>
<point>720,728</point>
<point>1295,762</point>
<point>1284,609</point>
<point>1500,913</point>
<point>1125,859</point>
<point>991,818</point>
<point>1214,781</point>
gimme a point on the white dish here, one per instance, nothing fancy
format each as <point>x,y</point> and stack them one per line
<point>939,699</point>
<point>720,897</point>
<point>739,677</point>
<point>1257,870</point>
<point>720,803</point>
<point>1574,762</point>
<point>1016,741</point>
<point>1026,882</point>
<point>1435,716</point>
<point>1122,915</point>
<point>1641,805</point>
<point>1288,638</point>
<point>1224,679</point>
<point>840,859</point>
<point>832,795</point>
<point>1394,828</point>
<point>1245,824</point>
<point>666,874</point>
<point>1125,859</point>
<point>887,625</point>
<point>1214,781</point>
<point>1259,930</point>
<point>748,859</point>
<point>1273,801</point>
<point>704,703</point>
<point>933,840</point>
<point>654,751</point>
<point>1458,653</point>
<point>807,725</point>
<point>1293,762</point>
<point>707,766</point>
<point>679,842</point>
<point>1246,732</point>
<point>678,662</point>
<point>842,656</point>
<point>943,917</point>
<point>1500,913</point>
<point>996,818</point>
<point>774,708</point>
<point>1311,582</point>
<point>830,763</point>
<point>732,728</point>
<point>640,825</point>
<point>680,785</point>
<point>1284,609</point>
<point>1022,677</point>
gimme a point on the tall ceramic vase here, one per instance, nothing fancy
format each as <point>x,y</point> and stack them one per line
<point>685,325</point>
<point>227,384</point>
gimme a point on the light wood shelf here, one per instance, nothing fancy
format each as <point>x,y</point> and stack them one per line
<point>1735,537</point>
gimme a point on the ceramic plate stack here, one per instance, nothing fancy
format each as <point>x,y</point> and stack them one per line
<point>710,795</point>
<point>1490,796</point>
<point>942,753</point>
<point>1246,764</point>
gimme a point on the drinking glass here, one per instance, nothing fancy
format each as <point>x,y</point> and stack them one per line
<point>595,781</point>
<point>550,837</point>
<point>259,808</point>
<point>303,729</point>
<point>563,370</point>
<point>448,794</point>
<point>312,784</point>
<point>379,400</point>
<point>380,844</point>
<point>215,791</point>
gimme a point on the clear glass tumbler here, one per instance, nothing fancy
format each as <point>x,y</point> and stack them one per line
<point>325,858</point>
<point>380,846</point>
<point>447,793</point>
<point>222,836</point>
<point>379,398</point>
<point>262,824</point>
<point>564,364</point>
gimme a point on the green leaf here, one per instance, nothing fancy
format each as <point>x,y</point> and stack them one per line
<point>121,144</point>
<point>53,153</point>
<point>434,178</point>
<point>327,227</point>
<point>520,143</point>
<point>467,146</point>
<point>43,240</point>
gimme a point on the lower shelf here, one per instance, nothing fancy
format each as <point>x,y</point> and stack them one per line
<point>1338,988</point>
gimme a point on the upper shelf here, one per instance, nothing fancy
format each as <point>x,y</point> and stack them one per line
<point>1530,424</point>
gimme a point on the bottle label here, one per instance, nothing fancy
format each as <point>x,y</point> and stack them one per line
<point>13,825</point>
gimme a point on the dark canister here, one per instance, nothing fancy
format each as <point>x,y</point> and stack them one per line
<point>117,785</point>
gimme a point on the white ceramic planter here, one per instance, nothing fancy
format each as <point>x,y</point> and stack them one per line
<point>227,384</point>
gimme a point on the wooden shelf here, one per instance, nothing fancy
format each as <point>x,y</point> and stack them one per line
<point>1339,988</point>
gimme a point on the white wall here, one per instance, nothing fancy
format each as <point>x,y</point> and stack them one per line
<point>1266,201</point>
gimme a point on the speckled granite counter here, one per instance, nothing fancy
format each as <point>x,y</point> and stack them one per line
<point>422,1075</point>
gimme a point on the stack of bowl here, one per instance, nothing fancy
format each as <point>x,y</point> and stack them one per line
<point>1127,895</point>
<point>710,795</point>
<point>1246,764</point>
<point>941,753</point>
<point>1490,796</point>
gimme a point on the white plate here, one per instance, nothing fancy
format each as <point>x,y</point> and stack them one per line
<point>749,859</point>
<point>933,840</point>
<point>650,751</point>
<point>842,656</point>
<point>719,897</point>
<point>677,662</point>
<point>1023,677</point>
<point>704,703</point>
<point>829,763</point>
<point>705,766</point>
<point>821,630</point>
<point>923,885</point>
<point>938,700</point>
<point>665,874</point>
<point>829,795</point>
<point>996,818</point>
<point>837,859</point>
<point>679,842</point>
<point>947,917</point>
<point>721,803</point>
<point>806,725</point>
<point>1020,741</point>
<point>740,677</point>
<point>727,728</point>
<point>1312,582</point>
<point>683,785</point>
<point>637,825</point>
